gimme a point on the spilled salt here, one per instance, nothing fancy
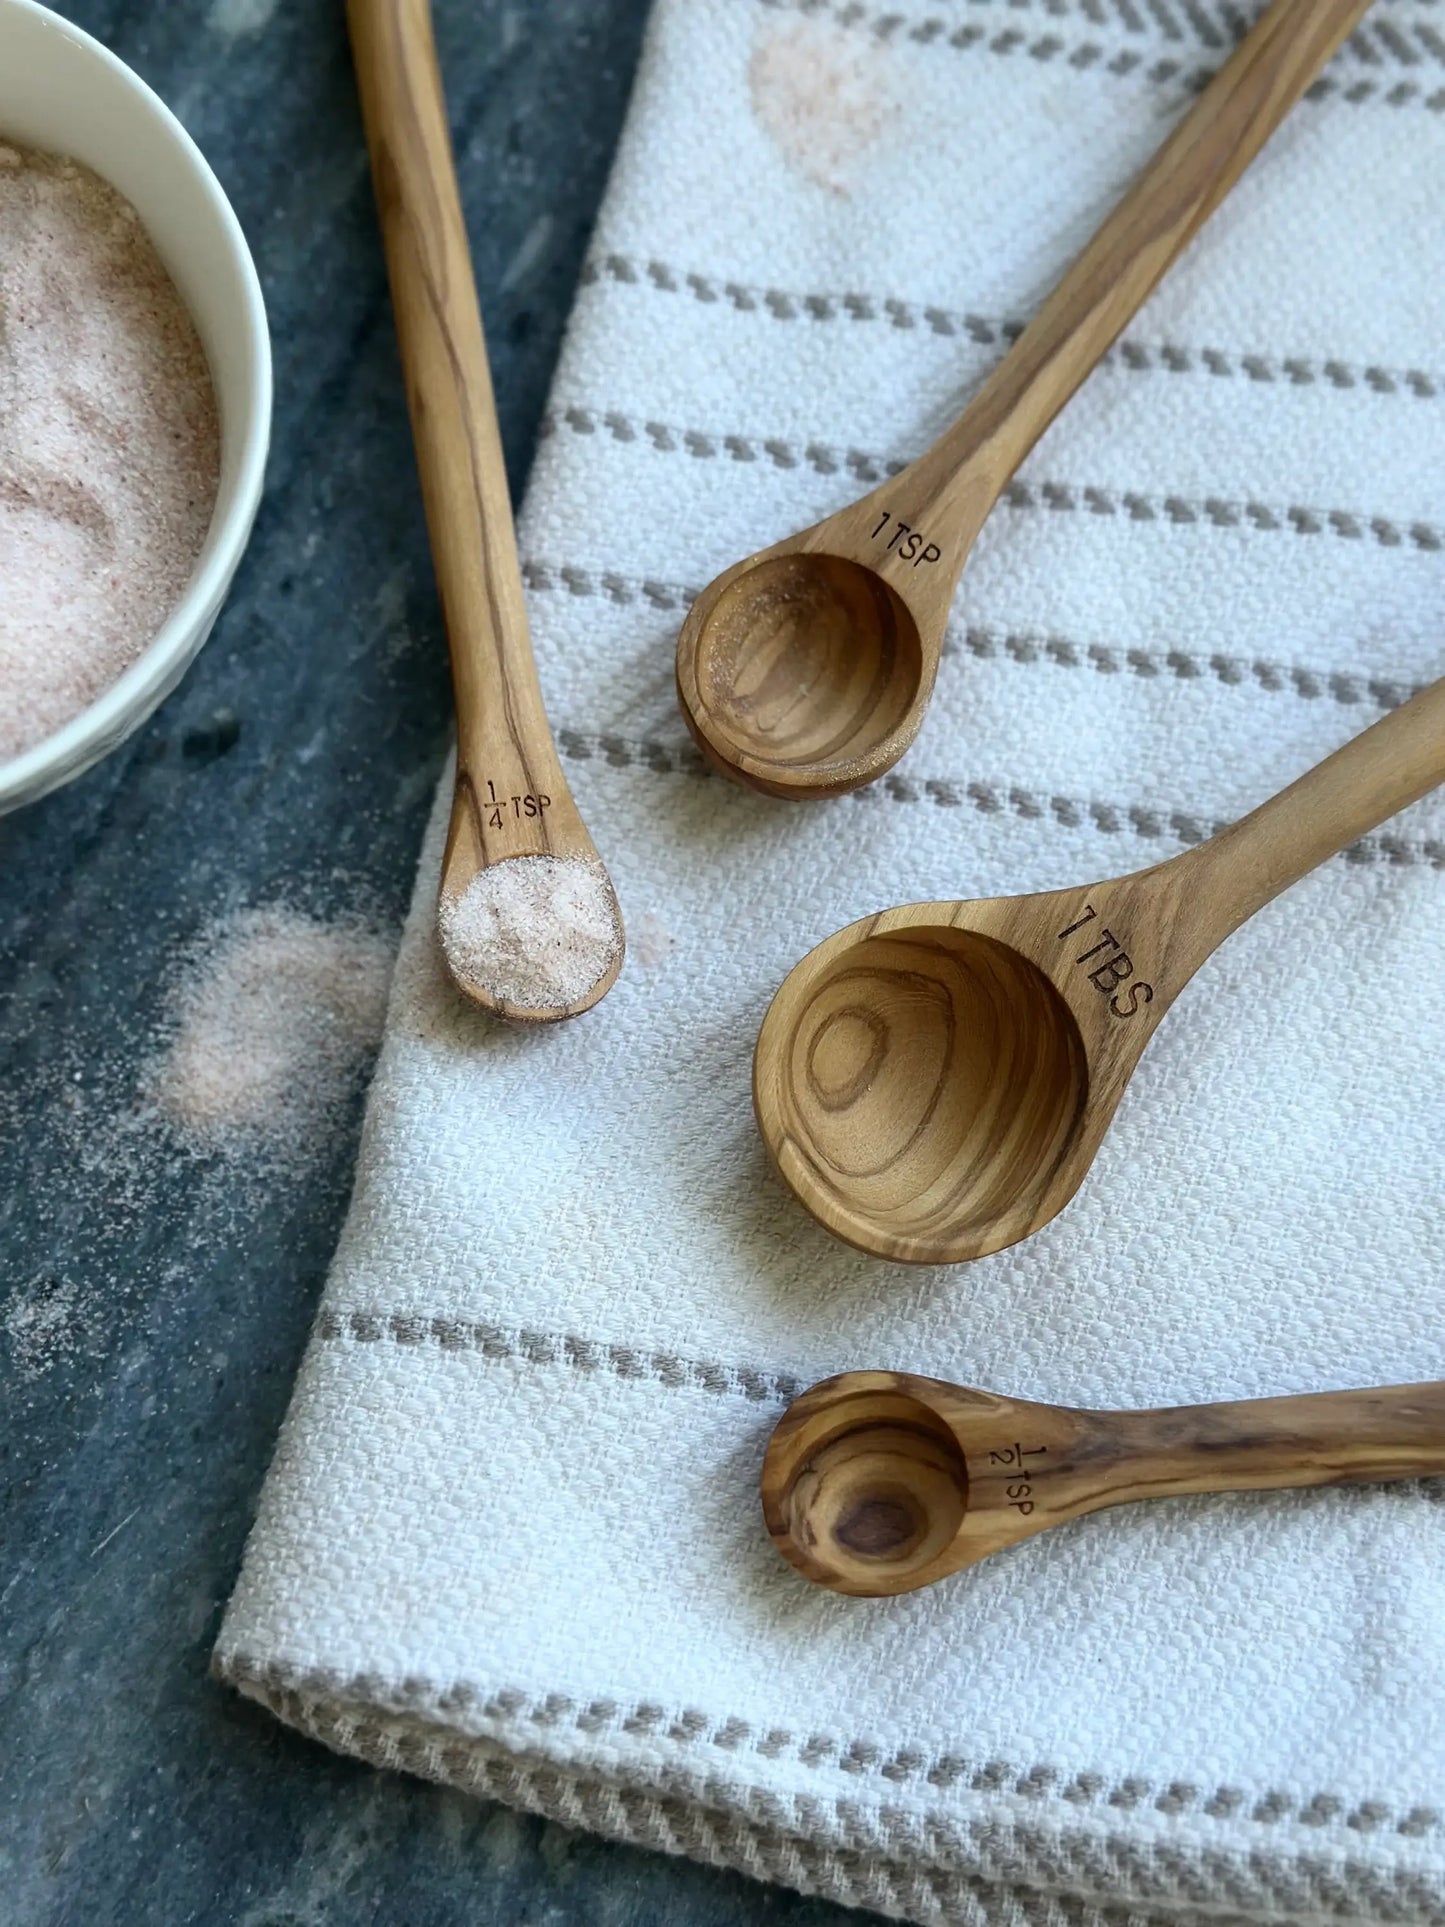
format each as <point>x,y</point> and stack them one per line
<point>236,1103</point>
<point>826,100</point>
<point>47,1323</point>
<point>535,931</point>
<point>109,442</point>
<point>274,1016</point>
<point>650,940</point>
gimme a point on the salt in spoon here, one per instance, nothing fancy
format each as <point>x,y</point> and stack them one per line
<point>933,1082</point>
<point>877,1483</point>
<point>528,918</point>
<point>805,670</point>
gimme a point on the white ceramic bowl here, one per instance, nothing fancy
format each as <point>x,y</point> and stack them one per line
<point>61,91</point>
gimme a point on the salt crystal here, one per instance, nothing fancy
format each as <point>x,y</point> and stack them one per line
<point>47,1322</point>
<point>537,932</point>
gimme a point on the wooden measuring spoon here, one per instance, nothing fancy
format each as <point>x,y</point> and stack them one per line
<point>804,670</point>
<point>877,1483</point>
<point>933,1082</point>
<point>542,941</point>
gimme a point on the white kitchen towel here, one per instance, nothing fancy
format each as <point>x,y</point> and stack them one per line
<point>511,1538</point>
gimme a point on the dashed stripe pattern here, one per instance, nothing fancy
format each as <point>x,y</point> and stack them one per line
<point>691,1727</point>
<point>995,799</point>
<point>1216,24</point>
<point>1135,357</point>
<point>1375,50</point>
<point>1063,497</point>
<point>988,644</point>
<point>450,1334</point>
<point>766,1848</point>
<point>856,1869</point>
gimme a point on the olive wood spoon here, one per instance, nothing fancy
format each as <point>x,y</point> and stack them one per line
<point>804,670</point>
<point>511,799</point>
<point>933,1082</point>
<point>877,1483</point>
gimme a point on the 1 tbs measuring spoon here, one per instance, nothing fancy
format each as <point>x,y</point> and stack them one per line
<point>877,1483</point>
<point>805,669</point>
<point>933,1082</point>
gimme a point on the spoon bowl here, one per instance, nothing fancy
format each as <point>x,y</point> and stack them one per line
<point>927,1081</point>
<point>934,1082</point>
<point>881,1494</point>
<point>875,1483</point>
<point>798,660</point>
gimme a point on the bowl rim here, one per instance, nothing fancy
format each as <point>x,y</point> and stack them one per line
<point>104,723</point>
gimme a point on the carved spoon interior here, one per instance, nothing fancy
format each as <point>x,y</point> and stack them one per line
<point>805,669</point>
<point>933,1082</point>
<point>879,1482</point>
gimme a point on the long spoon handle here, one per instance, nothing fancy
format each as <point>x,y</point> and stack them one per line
<point>950,488</point>
<point>1379,772</point>
<point>503,738</point>
<point>1320,1438</point>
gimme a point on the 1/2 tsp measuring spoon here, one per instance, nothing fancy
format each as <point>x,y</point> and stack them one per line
<point>876,1483</point>
<point>805,670</point>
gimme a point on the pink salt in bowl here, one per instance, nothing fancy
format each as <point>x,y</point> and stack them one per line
<point>64,93</point>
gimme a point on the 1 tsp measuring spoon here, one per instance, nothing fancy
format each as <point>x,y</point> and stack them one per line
<point>805,670</point>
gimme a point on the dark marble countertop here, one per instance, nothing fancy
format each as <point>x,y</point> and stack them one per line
<point>294,765</point>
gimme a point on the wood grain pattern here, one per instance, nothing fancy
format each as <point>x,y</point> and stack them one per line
<point>933,1082</point>
<point>877,1483</point>
<point>805,670</point>
<point>505,748</point>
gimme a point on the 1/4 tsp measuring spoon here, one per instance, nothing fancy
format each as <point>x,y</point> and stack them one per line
<point>528,919</point>
<point>805,670</point>
<point>934,1082</point>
